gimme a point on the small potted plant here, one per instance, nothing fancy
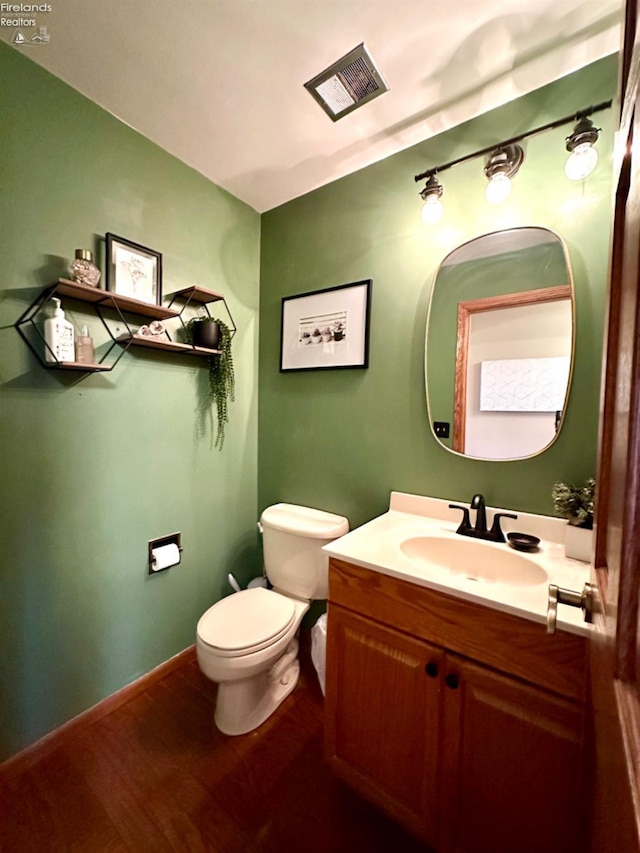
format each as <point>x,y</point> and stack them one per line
<point>326,335</point>
<point>316,337</point>
<point>338,330</point>
<point>222,382</point>
<point>306,338</point>
<point>203,332</point>
<point>576,504</point>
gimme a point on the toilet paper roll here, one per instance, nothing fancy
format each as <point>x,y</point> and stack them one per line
<point>164,556</point>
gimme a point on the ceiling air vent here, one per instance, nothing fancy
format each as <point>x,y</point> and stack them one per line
<point>347,84</point>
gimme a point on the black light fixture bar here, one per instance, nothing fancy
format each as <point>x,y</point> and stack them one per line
<point>574,117</point>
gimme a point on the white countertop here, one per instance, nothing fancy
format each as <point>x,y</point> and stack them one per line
<point>376,546</point>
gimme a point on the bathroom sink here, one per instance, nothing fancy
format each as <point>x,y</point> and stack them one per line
<point>473,560</point>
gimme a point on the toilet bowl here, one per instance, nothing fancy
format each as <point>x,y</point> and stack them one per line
<point>247,642</point>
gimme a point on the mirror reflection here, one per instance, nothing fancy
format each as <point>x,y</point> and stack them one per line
<point>499,344</point>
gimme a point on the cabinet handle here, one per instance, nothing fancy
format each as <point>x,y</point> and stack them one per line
<point>431,669</point>
<point>452,681</point>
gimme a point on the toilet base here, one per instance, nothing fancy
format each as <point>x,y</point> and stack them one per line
<point>245,704</point>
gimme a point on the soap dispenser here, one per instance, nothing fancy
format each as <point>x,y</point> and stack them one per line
<point>85,353</point>
<point>58,335</point>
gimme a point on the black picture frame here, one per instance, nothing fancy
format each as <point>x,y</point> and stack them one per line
<point>326,329</point>
<point>133,270</point>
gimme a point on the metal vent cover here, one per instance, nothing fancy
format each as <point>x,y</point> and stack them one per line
<point>347,84</point>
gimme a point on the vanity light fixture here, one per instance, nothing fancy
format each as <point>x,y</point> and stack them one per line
<point>502,165</point>
<point>583,156</point>
<point>505,158</point>
<point>432,209</point>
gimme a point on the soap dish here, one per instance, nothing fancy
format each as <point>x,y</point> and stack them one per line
<point>523,542</point>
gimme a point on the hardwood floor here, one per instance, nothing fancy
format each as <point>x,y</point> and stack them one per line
<point>156,775</point>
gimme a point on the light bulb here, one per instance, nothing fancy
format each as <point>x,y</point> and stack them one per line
<point>582,162</point>
<point>432,209</point>
<point>498,188</point>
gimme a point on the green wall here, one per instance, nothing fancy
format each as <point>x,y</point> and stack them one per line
<point>342,440</point>
<point>92,470</point>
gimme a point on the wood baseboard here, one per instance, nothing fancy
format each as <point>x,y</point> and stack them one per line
<point>31,754</point>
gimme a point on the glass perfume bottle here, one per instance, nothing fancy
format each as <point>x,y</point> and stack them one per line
<point>83,270</point>
<point>85,353</point>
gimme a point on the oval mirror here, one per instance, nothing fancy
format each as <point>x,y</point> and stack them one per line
<point>499,344</point>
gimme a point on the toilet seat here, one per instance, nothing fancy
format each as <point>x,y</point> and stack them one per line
<point>246,622</point>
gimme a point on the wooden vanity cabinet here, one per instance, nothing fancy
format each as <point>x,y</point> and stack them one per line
<point>383,717</point>
<point>511,773</point>
<point>470,756</point>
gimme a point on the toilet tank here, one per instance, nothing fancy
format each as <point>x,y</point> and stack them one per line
<point>292,538</point>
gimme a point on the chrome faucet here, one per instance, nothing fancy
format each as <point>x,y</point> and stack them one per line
<point>480,530</point>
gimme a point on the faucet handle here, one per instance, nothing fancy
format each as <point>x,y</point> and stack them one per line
<point>496,530</point>
<point>465,524</point>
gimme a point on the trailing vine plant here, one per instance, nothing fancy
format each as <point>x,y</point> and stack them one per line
<point>222,379</point>
<point>222,382</point>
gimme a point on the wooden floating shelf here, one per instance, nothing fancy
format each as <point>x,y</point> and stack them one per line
<point>97,296</point>
<point>78,365</point>
<point>198,294</point>
<point>99,299</point>
<point>83,292</point>
<point>167,345</point>
<point>204,351</point>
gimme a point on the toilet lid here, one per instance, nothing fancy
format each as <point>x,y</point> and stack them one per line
<point>246,621</point>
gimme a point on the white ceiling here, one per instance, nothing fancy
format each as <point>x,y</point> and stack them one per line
<point>219,83</point>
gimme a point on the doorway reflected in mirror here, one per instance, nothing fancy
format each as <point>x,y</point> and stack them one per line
<point>499,345</point>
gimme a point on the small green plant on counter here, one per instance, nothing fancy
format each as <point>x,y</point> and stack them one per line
<point>575,503</point>
<point>222,379</point>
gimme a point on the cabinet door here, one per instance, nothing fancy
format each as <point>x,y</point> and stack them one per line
<point>511,762</point>
<point>382,717</point>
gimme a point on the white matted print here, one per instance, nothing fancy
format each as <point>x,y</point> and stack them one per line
<point>326,328</point>
<point>133,270</point>
<point>524,384</point>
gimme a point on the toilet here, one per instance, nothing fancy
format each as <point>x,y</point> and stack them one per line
<point>247,642</point>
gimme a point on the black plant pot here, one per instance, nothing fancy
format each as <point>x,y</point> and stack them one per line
<point>206,334</point>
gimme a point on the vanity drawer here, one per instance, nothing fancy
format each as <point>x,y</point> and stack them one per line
<point>508,643</point>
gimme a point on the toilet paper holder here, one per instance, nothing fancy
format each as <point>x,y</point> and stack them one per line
<point>160,542</point>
